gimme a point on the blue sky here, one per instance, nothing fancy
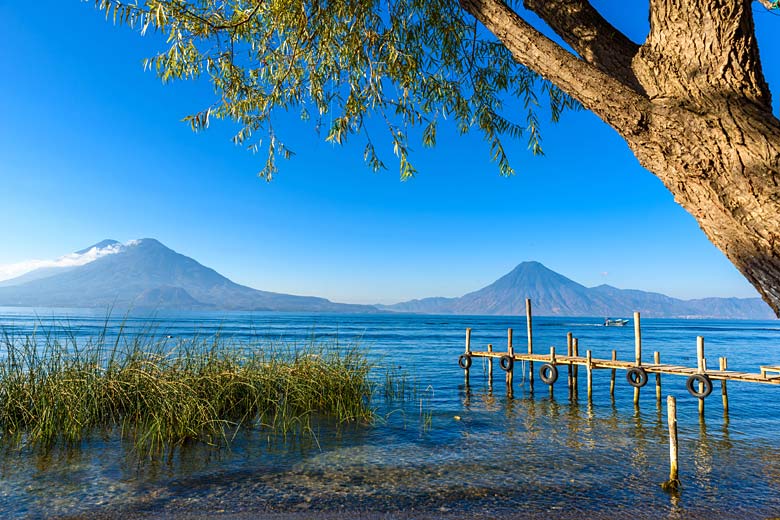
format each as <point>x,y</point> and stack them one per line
<point>93,147</point>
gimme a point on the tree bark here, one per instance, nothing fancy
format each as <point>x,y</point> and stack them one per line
<point>693,106</point>
<point>723,167</point>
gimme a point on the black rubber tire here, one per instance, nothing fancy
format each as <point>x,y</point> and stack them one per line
<point>636,377</point>
<point>692,384</point>
<point>548,373</point>
<point>464,361</point>
<point>506,362</point>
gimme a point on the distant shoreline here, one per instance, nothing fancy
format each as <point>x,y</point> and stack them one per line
<point>148,311</point>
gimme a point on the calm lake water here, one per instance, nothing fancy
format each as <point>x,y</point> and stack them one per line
<point>445,452</point>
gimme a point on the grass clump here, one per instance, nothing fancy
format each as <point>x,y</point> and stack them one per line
<point>57,390</point>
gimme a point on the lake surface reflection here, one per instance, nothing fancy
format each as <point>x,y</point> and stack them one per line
<point>446,451</point>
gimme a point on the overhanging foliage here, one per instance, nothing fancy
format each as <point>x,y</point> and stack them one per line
<point>409,65</point>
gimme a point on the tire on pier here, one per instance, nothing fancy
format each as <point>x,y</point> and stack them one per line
<point>692,384</point>
<point>464,361</point>
<point>548,373</point>
<point>636,377</point>
<point>506,362</point>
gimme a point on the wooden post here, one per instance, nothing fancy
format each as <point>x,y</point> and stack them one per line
<point>576,350</point>
<point>510,350</point>
<point>552,360</point>
<point>700,354</point>
<point>637,349</point>
<point>638,339</point>
<point>590,376</point>
<point>673,484</point>
<point>612,377</point>
<point>570,380</point>
<point>700,365</point>
<point>657,361</point>
<point>468,351</point>
<point>724,365</point>
<point>530,342</point>
<point>490,366</point>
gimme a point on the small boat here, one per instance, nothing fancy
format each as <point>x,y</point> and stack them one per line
<point>617,322</point>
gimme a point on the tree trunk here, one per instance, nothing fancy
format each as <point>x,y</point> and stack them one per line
<point>693,106</point>
<point>723,167</point>
<point>711,137</point>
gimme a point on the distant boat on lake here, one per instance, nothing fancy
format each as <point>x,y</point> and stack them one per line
<point>617,322</point>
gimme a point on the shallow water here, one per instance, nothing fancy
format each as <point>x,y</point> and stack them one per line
<point>448,450</point>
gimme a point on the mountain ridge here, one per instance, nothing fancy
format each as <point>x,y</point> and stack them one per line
<point>553,294</point>
<point>146,273</point>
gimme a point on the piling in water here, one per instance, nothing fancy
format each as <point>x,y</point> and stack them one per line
<point>576,349</point>
<point>724,365</point>
<point>569,380</point>
<point>657,361</point>
<point>552,362</point>
<point>673,484</point>
<point>701,365</point>
<point>530,343</point>
<point>612,377</point>
<point>490,367</point>
<point>637,350</point>
<point>510,374</point>
<point>589,368</point>
<point>468,358</point>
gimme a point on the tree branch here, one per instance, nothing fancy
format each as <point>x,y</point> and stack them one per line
<point>616,103</point>
<point>596,40</point>
<point>770,4</point>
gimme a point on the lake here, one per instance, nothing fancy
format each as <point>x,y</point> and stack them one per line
<point>445,452</point>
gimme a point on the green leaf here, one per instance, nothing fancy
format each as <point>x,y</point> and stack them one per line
<point>414,64</point>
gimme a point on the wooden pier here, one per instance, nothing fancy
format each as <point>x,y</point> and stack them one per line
<point>699,379</point>
<point>653,368</point>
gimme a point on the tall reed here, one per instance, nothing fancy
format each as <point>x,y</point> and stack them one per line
<point>158,392</point>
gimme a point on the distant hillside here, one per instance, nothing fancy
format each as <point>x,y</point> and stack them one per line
<point>67,262</point>
<point>553,294</point>
<point>146,274</point>
<point>37,274</point>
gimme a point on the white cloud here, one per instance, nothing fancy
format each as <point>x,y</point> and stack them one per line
<point>8,271</point>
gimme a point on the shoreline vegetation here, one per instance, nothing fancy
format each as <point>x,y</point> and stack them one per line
<point>158,392</point>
